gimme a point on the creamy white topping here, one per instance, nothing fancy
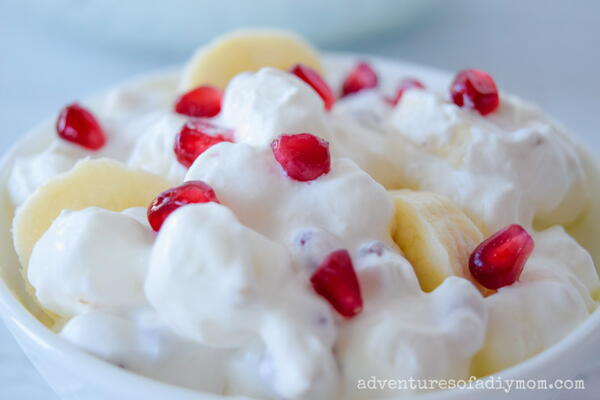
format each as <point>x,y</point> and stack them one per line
<point>495,167</point>
<point>237,288</point>
<point>142,343</point>
<point>29,173</point>
<point>220,300</point>
<point>92,258</point>
<point>413,335</point>
<point>125,114</point>
<point>240,173</point>
<point>265,104</point>
<point>153,151</point>
<point>553,295</point>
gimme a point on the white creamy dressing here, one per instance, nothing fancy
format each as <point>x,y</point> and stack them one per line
<point>220,301</point>
<point>495,167</point>
<point>98,259</point>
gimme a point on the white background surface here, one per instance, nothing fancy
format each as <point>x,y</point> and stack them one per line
<point>544,50</point>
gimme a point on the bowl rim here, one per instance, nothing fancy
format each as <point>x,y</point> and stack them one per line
<point>17,315</point>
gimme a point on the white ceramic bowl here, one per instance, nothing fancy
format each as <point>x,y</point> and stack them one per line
<point>74,374</point>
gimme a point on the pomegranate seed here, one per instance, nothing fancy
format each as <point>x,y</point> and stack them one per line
<point>171,199</point>
<point>303,157</point>
<point>204,101</point>
<point>361,77</point>
<point>77,125</point>
<point>335,280</point>
<point>406,84</point>
<point>499,260</point>
<point>314,80</point>
<point>195,137</point>
<point>475,89</point>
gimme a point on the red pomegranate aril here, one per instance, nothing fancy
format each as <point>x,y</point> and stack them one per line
<point>195,137</point>
<point>475,89</point>
<point>498,261</point>
<point>362,77</point>
<point>204,101</point>
<point>171,199</point>
<point>314,80</point>
<point>406,84</point>
<point>303,157</point>
<point>77,125</point>
<point>335,280</point>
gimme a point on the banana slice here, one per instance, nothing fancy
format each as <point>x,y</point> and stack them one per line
<point>101,182</point>
<point>436,236</point>
<point>246,50</point>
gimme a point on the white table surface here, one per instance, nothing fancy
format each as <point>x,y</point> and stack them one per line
<point>546,51</point>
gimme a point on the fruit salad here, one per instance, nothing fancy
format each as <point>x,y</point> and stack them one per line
<point>264,225</point>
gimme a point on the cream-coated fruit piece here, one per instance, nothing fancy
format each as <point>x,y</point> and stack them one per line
<point>239,173</point>
<point>496,167</point>
<point>123,114</point>
<point>29,173</point>
<point>436,236</point>
<point>246,50</point>
<point>413,335</point>
<point>218,297</point>
<point>438,332</point>
<point>151,151</point>
<point>145,345</point>
<point>264,104</point>
<point>91,259</point>
<point>519,324</point>
<point>101,183</point>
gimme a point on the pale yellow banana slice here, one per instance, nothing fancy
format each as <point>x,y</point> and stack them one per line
<point>101,183</point>
<point>246,50</point>
<point>436,236</point>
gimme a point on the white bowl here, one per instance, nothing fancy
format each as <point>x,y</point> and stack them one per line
<point>74,374</point>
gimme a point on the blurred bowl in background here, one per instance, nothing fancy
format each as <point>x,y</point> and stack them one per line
<point>178,26</point>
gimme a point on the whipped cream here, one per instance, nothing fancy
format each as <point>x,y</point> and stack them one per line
<point>495,167</point>
<point>401,322</point>
<point>91,259</point>
<point>265,104</point>
<point>29,173</point>
<point>231,299</point>
<point>239,173</point>
<point>124,114</point>
<point>220,299</point>
<point>413,335</point>
<point>151,151</point>
<point>143,344</point>
<point>553,295</point>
